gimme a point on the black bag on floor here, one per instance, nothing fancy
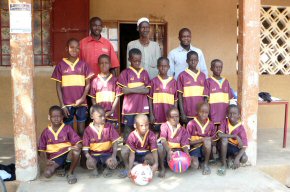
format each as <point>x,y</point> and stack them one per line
<point>265,96</point>
<point>9,169</point>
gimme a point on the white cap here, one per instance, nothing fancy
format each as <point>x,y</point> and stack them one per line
<point>142,20</point>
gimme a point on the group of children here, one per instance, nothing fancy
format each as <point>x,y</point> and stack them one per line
<point>159,116</point>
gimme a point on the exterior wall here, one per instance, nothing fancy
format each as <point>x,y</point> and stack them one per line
<point>213,25</point>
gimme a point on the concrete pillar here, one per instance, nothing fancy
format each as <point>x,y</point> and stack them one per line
<point>22,73</point>
<point>248,73</point>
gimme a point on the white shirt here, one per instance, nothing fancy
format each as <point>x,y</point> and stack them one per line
<point>150,55</point>
<point>177,61</point>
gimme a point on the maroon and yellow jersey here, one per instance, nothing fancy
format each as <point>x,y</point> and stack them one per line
<point>57,143</point>
<point>163,92</point>
<point>219,93</point>
<point>100,141</point>
<point>191,85</point>
<point>140,145</point>
<point>72,77</point>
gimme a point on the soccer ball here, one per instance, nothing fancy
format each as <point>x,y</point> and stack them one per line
<point>179,162</point>
<point>141,174</point>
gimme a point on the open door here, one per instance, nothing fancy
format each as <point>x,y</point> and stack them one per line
<point>70,19</point>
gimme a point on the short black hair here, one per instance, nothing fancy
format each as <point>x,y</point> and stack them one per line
<point>55,108</point>
<point>134,51</point>
<point>170,110</point>
<point>191,53</point>
<point>234,106</point>
<point>213,62</point>
<point>183,30</point>
<point>95,19</point>
<point>104,56</point>
<point>160,59</point>
<point>71,40</point>
<point>96,108</point>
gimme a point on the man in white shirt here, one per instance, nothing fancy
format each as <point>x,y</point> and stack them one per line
<point>177,56</point>
<point>150,49</point>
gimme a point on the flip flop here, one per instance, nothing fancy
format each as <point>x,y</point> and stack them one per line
<point>221,171</point>
<point>108,173</point>
<point>71,179</point>
<point>60,172</point>
<point>123,173</point>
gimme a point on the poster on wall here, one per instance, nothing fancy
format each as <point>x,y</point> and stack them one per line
<point>20,18</point>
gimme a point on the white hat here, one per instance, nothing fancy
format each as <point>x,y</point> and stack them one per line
<point>142,20</point>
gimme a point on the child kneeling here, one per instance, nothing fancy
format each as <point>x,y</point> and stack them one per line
<point>58,143</point>
<point>100,143</point>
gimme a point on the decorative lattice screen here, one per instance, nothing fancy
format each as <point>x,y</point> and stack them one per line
<point>275,40</point>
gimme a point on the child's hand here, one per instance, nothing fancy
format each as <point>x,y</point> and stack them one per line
<point>91,162</point>
<point>112,162</point>
<point>49,163</point>
<point>79,101</point>
<point>154,167</point>
<point>236,163</point>
<point>152,118</point>
<point>66,112</point>
<point>169,155</point>
<point>109,113</point>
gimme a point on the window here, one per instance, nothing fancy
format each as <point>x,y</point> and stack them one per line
<point>275,40</point>
<point>41,35</point>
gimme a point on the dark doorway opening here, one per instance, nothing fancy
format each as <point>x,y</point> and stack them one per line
<point>128,32</point>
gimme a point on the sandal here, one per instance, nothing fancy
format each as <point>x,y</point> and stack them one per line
<point>60,172</point>
<point>221,171</point>
<point>108,172</point>
<point>71,179</point>
<point>123,173</point>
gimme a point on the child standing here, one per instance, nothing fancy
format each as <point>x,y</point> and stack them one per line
<point>134,83</point>
<point>190,85</point>
<point>141,146</point>
<point>201,132</point>
<point>219,92</point>
<point>173,137</point>
<point>233,139</point>
<point>104,90</point>
<point>72,78</point>
<point>100,143</point>
<point>163,95</point>
<point>59,142</point>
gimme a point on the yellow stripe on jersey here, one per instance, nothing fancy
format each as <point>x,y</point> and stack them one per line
<point>219,98</point>
<point>73,80</point>
<point>104,146</point>
<point>192,91</point>
<point>234,141</point>
<point>105,96</point>
<point>136,84</point>
<point>174,145</point>
<point>195,138</point>
<point>163,98</point>
<point>52,148</point>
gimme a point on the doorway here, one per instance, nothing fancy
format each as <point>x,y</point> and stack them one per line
<point>128,32</point>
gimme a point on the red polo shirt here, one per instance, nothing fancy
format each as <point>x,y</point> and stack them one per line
<point>91,49</point>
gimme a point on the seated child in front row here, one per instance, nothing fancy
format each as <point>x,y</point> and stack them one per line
<point>162,96</point>
<point>233,140</point>
<point>104,90</point>
<point>59,143</point>
<point>173,137</point>
<point>219,93</point>
<point>202,133</point>
<point>141,146</point>
<point>100,143</point>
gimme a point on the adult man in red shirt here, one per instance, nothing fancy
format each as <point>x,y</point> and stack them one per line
<point>95,45</point>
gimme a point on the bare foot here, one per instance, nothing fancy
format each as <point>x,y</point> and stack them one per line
<point>206,170</point>
<point>161,173</point>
